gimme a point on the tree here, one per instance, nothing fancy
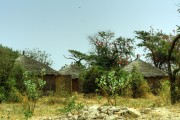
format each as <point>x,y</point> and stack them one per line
<point>110,85</point>
<point>157,43</point>
<point>7,59</point>
<point>108,52</point>
<point>175,47</point>
<point>164,53</point>
<point>39,55</point>
<point>77,56</point>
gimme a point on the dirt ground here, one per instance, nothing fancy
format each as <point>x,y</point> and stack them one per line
<point>162,113</point>
<point>49,107</point>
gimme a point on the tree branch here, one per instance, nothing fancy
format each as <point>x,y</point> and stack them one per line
<point>170,53</point>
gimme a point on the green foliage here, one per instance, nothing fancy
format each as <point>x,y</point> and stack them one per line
<point>88,79</point>
<point>71,105</point>
<point>99,98</point>
<point>28,110</point>
<point>126,89</point>
<point>33,91</point>
<point>164,52</point>
<point>14,95</point>
<point>33,86</point>
<point>16,77</point>
<point>158,45</point>
<point>110,84</point>
<point>2,94</point>
<point>107,51</point>
<point>178,88</point>
<point>7,58</point>
<point>139,85</point>
<point>164,92</point>
<point>39,55</point>
<point>77,56</point>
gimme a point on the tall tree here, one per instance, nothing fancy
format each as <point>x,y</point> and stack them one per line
<point>164,52</point>
<point>175,48</point>
<point>157,44</point>
<point>107,51</point>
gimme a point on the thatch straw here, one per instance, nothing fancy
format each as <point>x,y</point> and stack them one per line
<point>34,66</point>
<point>73,69</point>
<point>146,69</point>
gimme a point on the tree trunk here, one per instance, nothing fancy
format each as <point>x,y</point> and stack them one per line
<point>172,75</point>
<point>172,89</point>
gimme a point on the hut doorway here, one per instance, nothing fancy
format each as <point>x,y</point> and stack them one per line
<point>75,85</point>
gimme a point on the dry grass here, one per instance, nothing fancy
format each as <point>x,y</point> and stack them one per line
<point>49,105</point>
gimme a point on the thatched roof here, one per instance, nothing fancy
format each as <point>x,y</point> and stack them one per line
<point>73,69</point>
<point>146,69</point>
<point>34,66</point>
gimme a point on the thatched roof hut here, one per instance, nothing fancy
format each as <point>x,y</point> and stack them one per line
<point>73,69</point>
<point>152,74</point>
<point>34,66</point>
<point>54,80</point>
<point>146,69</point>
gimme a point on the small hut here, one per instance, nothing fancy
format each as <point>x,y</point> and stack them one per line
<point>152,74</point>
<point>74,70</point>
<point>54,80</point>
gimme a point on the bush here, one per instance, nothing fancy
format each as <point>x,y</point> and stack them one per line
<point>14,85</point>
<point>16,77</point>
<point>110,85</point>
<point>164,91</point>
<point>7,60</point>
<point>140,87</point>
<point>2,94</point>
<point>14,95</point>
<point>126,90</point>
<point>33,91</point>
<point>88,79</point>
<point>71,104</point>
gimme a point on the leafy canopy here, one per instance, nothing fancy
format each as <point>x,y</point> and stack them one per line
<point>107,52</point>
<point>157,44</point>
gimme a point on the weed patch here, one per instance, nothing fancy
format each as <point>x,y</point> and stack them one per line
<point>71,104</point>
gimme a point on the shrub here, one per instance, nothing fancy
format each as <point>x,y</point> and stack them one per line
<point>2,94</point>
<point>14,95</point>
<point>126,90</point>
<point>140,87</point>
<point>16,77</point>
<point>7,59</point>
<point>14,84</point>
<point>88,79</point>
<point>164,91</point>
<point>33,91</point>
<point>71,104</point>
<point>110,84</point>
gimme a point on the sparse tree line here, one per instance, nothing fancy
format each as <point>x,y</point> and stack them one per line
<point>103,64</point>
<point>110,55</point>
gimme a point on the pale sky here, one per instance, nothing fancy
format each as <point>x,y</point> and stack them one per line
<point>55,26</point>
